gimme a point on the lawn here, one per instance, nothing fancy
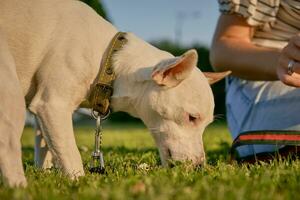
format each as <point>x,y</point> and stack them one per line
<point>134,172</point>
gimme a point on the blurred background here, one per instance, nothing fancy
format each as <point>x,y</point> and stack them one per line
<point>171,25</point>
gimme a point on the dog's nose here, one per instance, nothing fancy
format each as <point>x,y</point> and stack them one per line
<point>200,162</point>
<point>198,166</point>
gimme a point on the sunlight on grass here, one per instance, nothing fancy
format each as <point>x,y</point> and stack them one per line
<point>134,171</point>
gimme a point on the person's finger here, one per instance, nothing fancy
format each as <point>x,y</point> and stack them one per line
<point>287,79</point>
<point>292,51</point>
<point>296,40</point>
<point>284,62</point>
<point>290,80</point>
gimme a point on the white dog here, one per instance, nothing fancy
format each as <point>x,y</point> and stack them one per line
<point>50,53</point>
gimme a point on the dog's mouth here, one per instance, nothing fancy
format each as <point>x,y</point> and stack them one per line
<point>166,156</point>
<point>171,161</point>
<point>169,153</point>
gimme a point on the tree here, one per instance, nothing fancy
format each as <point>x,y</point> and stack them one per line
<point>98,7</point>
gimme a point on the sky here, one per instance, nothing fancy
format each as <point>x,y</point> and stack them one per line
<point>155,20</point>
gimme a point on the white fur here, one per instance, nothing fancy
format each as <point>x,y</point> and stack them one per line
<point>51,53</point>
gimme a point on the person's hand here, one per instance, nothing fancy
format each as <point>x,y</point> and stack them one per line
<point>288,69</point>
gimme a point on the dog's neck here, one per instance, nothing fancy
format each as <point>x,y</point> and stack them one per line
<point>133,67</point>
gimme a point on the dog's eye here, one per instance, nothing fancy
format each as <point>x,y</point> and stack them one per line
<point>193,118</point>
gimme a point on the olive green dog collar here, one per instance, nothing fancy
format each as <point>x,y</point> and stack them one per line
<point>102,90</point>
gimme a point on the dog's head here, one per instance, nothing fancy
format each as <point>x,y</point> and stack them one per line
<point>175,101</point>
<point>180,106</point>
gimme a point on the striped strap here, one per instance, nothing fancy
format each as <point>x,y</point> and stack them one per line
<point>273,137</point>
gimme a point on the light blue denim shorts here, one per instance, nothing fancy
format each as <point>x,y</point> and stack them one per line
<point>261,105</point>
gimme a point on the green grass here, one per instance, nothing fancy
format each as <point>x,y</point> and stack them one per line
<point>128,148</point>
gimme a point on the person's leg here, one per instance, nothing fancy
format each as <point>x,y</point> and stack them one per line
<point>254,106</point>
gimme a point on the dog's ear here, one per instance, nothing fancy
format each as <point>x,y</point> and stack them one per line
<point>214,77</point>
<point>172,71</point>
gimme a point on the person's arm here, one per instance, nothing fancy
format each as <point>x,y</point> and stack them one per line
<point>232,50</point>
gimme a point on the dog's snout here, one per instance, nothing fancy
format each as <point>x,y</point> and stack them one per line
<point>174,158</point>
<point>200,162</point>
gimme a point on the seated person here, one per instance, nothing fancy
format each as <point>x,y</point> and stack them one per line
<point>259,42</point>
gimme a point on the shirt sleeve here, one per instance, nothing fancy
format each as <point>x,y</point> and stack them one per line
<point>256,12</point>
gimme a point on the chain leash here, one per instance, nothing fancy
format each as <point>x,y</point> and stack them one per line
<point>97,163</point>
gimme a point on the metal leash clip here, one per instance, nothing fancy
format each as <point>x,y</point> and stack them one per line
<point>97,163</point>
